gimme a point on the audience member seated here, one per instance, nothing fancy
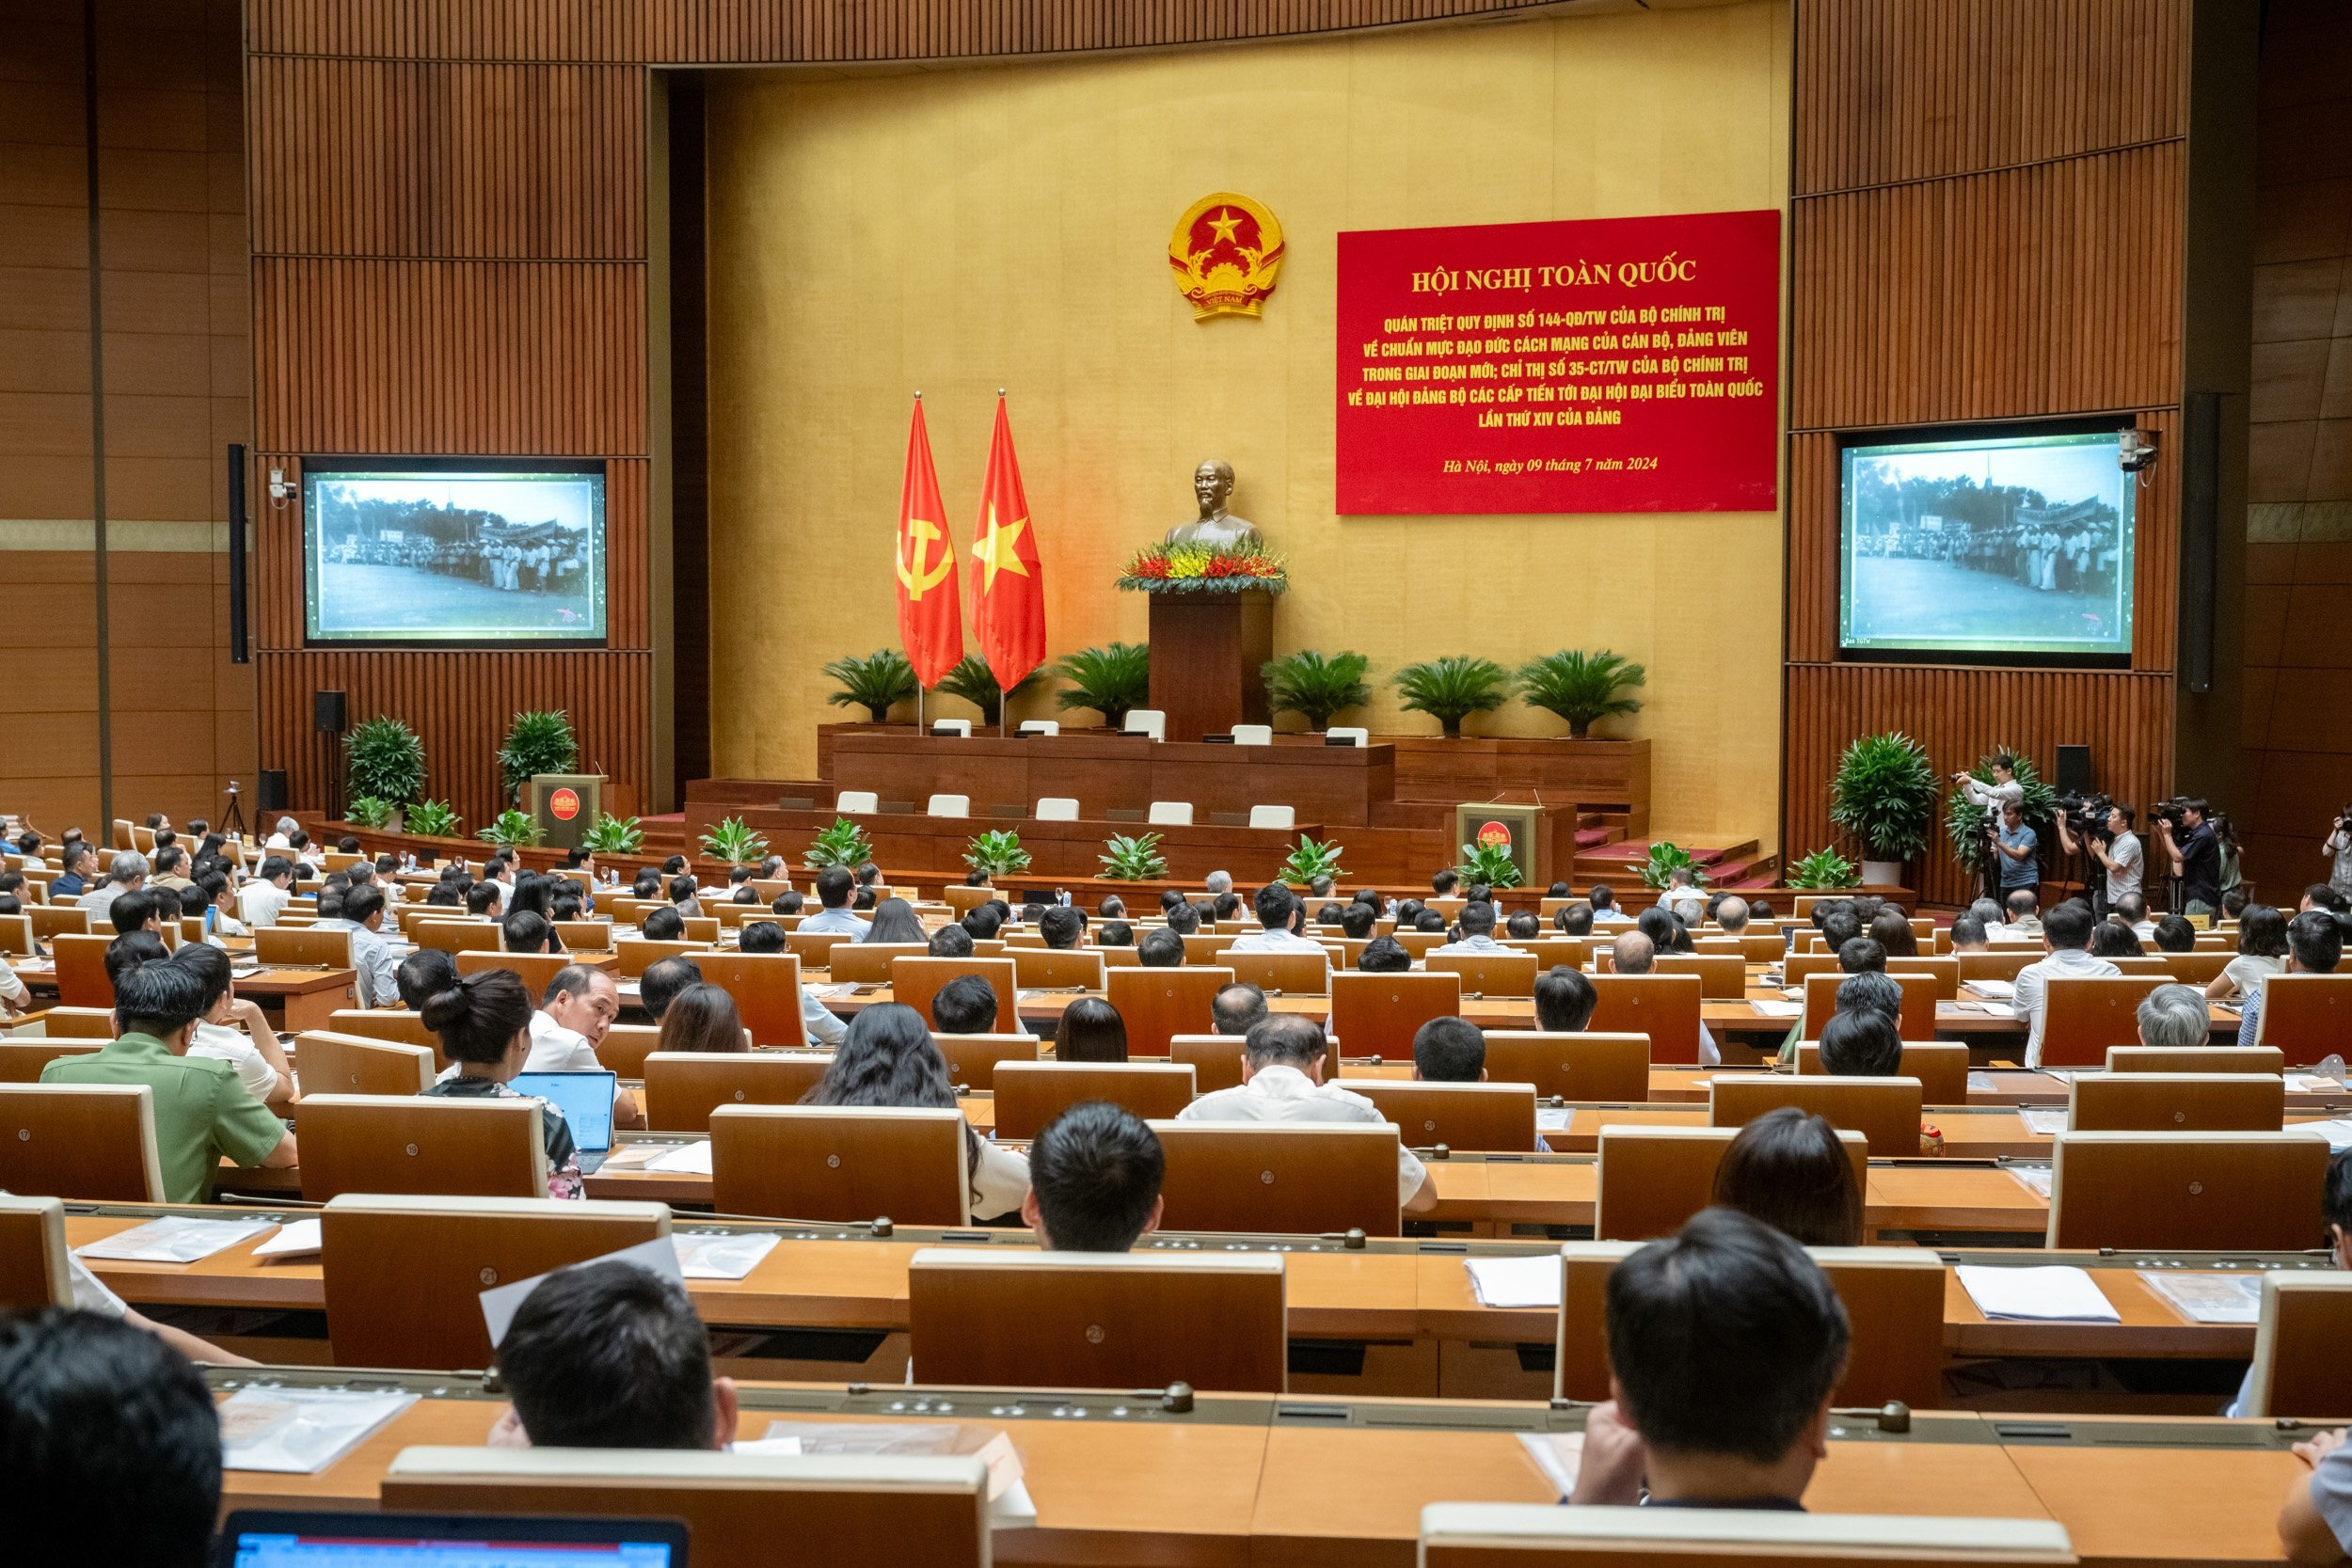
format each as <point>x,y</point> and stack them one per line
<point>1442,884</point>
<point>1115,933</point>
<point>1161,949</point>
<point>202,1113</point>
<point>1725,1345</point>
<point>424,975</point>
<point>1861,1043</point>
<point>2020,920</point>
<point>2131,909</point>
<point>1091,1031</point>
<point>2066,935</point>
<point>2174,934</point>
<point>1862,956</point>
<point>526,932</point>
<point>1894,935</point>
<point>125,873</point>
<point>1666,934</point>
<point>2316,1521</point>
<point>81,864</point>
<point>2315,946</point>
<point>253,1050</point>
<point>486,1026</point>
<point>1787,1169</point>
<point>1449,1051</point>
<point>375,961</point>
<point>2261,952</point>
<point>2175,1015</point>
<point>1428,920</point>
<point>662,925</point>
<point>2112,939</point>
<point>1282,1081</point>
<point>1061,926</point>
<point>665,978</point>
<point>788,902</point>
<point>983,921</point>
<point>1681,893</point>
<point>702,1018</point>
<point>610,1355</point>
<point>1384,956</point>
<point>1603,901</point>
<point>1968,934</point>
<point>574,1015</point>
<point>1477,932</point>
<point>1731,914</point>
<point>1564,999</point>
<point>134,912</point>
<point>1094,1181</point>
<point>965,1005</point>
<point>889,1059</point>
<point>1636,953</point>
<point>1358,920</point>
<point>1236,1008</point>
<point>647,885</point>
<point>835,887</point>
<point>1279,916</point>
<point>895,920</point>
<point>950,940</point>
<point>1575,920</point>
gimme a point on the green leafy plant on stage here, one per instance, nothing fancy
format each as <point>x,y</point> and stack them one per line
<point>877,683</point>
<point>999,853</point>
<point>1581,688</point>
<point>1449,689</point>
<point>1316,688</point>
<point>431,819</point>
<point>384,758</point>
<point>843,844</point>
<point>368,811</point>
<point>736,842</point>
<point>511,829</point>
<point>539,740</point>
<point>1824,867</point>
<point>1489,864</point>
<point>1964,821</point>
<point>1133,858</point>
<point>972,680</point>
<point>1664,861</point>
<point>1113,681</point>
<point>1312,861</point>
<point>1884,793</point>
<point>614,835</point>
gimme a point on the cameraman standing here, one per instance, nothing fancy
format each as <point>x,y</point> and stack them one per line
<point>2339,845</point>
<point>2195,859</point>
<point>1996,798</point>
<point>2121,854</point>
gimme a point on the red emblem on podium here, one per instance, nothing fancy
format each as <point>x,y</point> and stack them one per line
<point>1493,833</point>
<point>565,804</point>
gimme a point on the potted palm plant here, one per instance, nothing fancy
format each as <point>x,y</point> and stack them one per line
<point>1581,688</point>
<point>538,741</point>
<point>1449,689</point>
<point>972,680</point>
<point>877,683</point>
<point>1113,681</point>
<point>1884,793</point>
<point>1316,688</point>
<point>384,763</point>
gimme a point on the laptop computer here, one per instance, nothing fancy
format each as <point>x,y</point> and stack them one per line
<point>266,1539</point>
<point>586,1100</point>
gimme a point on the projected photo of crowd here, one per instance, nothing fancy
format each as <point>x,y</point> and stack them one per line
<point>455,557</point>
<point>2003,546</point>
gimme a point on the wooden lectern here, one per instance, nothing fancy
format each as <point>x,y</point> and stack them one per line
<point>566,806</point>
<point>1207,650</point>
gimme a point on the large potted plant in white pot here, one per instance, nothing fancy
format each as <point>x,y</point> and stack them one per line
<point>1886,794</point>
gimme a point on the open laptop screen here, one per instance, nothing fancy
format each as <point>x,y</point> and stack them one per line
<point>585,1098</point>
<point>268,1540</point>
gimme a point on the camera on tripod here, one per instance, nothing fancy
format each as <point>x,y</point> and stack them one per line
<point>2086,814</point>
<point>2169,812</point>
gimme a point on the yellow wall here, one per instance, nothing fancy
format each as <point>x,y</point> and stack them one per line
<point>957,231</point>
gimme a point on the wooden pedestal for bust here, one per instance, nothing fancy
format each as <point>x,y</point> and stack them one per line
<point>1206,652</point>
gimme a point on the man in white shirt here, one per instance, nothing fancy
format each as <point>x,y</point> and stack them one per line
<point>283,837</point>
<point>2066,932</point>
<point>2003,792</point>
<point>125,873</point>
<point>835,887</point>
<point>1636,953</point>
<point>1606,911</point>
<point>375,961</point>
<point>500,873</point>
<point>1680,893</point>
<point>262,901</point>
<point>14,997</point>
<point>1282,1072</point>
<point>574,1017</point>
<point>1280,914</point>
<point>1478,931</point>
<point>2121,854</point>
<point>2020,920</point>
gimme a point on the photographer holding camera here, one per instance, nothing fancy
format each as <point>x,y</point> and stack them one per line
<point>1996,798</point>
<point>2121,854</point>
<point>2195,852</point>
<point>2338,845</point>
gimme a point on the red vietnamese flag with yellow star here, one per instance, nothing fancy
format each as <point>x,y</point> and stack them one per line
<point>1008,588</point>
<point>930,623</point>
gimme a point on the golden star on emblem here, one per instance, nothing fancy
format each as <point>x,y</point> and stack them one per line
<point>1225,223</point>
<point>994,550</point>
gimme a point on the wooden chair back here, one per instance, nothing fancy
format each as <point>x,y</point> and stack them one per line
<point>91,1142</point>
<point>2194,969</point>
<point>1298,1177</point>
<point>914,981</point>
<point>840,1163</point>
<point>962,900</point>
<point>584,936</point>
<point>1721,979</point>
<point>844,1511</point>
<point>16,936</point>
<point>1029,1095</point>
<point>1995,965</point>
<point>1202,947</point>
<point>1488,974</point>
<point>1419,942</point>
<point>1057,969</point>
<point>302,947</point>
<point>767,992</point>
<point>992,1317</point>
<point>2084,1015</point>
<point>632,956</point>
<point>1945,972</point>
<point>2145,964</point>
<point>1941,1067</point>
<point>1278,974</point>
<point>702,928</point>
<point>390,1024</point>
<point>79,1023</point>
<point>1492,1116</point>
<point>683,1087</point>
<point>2307,1016</point>
<point>2177,1102</point>
<point>535,970</point>
<point>2202,1191</point>
<point>57,920</point>
<point>1885,1111</point>
<point>815,948</point>
<point>456,936</point>
<point>972,1059</point>
<point>1609,1069</point>
<point>1652,1179</point>
<point>1157,1005</point>
<point>2300,1365</point>
<point>1663,1006</point>
<point>626,1046</point>
<point>1554,952</point>
<point>867,963</point>
<point>404,1278</point>
<point>33,1269</point>
<point>1916,1023</point>
<point>1894,1298</point>
<point>21,1060</point>
<point>2196,1058</point>
<point>82,971</point>
<point>334,1063</point>
<point>1378,1015</point>
<point>422,1145</point>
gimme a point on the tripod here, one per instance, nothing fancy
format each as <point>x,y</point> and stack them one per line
<point>232,820</point>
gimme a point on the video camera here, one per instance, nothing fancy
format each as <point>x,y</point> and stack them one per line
<point>2087,814</point>
<point>2169,812</point>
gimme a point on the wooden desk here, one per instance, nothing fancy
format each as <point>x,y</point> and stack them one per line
<point>300,998</point>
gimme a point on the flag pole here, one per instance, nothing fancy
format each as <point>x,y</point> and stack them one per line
<point>919,729</point>
<point>1004,699</point>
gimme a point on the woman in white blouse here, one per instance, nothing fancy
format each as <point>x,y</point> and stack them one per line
<point>2261,952</point>
<point>888,1058</point>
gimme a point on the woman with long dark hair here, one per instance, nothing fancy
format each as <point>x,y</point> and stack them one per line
<point>888,1058</point>
<point>895,920</point>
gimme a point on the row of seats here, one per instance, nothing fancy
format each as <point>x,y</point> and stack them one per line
<point>1064,808</point>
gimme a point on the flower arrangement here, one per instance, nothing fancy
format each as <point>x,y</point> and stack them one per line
<point>1200,569</point>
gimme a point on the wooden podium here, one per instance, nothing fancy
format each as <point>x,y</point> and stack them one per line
<point>1207,650</point>
<point>566,806</point>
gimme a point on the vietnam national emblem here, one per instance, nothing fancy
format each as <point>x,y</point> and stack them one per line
<point>1225,253</point>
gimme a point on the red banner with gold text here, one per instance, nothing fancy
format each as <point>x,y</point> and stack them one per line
<point>1591,365</point>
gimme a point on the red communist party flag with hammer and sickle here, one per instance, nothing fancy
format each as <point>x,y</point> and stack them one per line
<point>1008,589</point>
<point>931,624</point>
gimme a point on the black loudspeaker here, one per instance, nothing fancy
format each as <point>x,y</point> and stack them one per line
<point>273,790</point>
<point>237,654</point>
<point>2073,770</point>
<point>326,712</point>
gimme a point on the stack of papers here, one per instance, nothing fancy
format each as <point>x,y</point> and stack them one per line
<point>2313,1083</point>
<point>2048,1123</point>
<point>300,1431</point>
<point>722,1255</point>
<point>1996,1009</point>
<point>2035,1177</point>
<point>1554,1118</point>
<point>1522,1282</point>
<point>686,1160</point>
<point>1008,1503</point>
<point>299,1240</point>
<point>2210,1298</point>
<point>1559,1455</point>
<point>2000,990</point>
<point>1778,1009</point>
<point>2050,1295</point>
<point>175,1239</point>
<point>2338,1132</point>
<point>1980,1083</point>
